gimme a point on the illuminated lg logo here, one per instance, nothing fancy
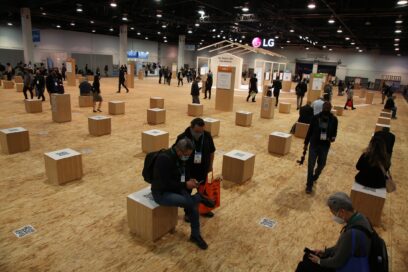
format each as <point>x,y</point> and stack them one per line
<point>258,42</point>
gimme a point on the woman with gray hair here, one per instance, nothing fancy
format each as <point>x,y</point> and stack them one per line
<point>353,246</point>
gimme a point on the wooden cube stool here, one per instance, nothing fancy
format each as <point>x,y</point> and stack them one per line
<point>154,140</point>
<point>61,108</point>
<point>267,107</point>
<point>90,78</point>
<point>85,101</point>
<point>301,130</point>
<point>156,102</point>
<point>99,125</point>
<point>369,97</point>
<point>384,121</point>
<point>156,116</point>
<point>368,201</point>
<point>116,107</point>
<point>339,110</point>
<point>284,107</point>
<point>63,165</point>
<point>386,110</point>
<point>33,105</point>
<point>238,166</point>
<point>243,118</point>
<point>195,110</point>
<point>212,126</point>
<point>385,114</point>
<point>279,143</point>
<point>18,79</point>
<point>19,87</point>
<point>379,127</point>
<point>362,93</point>
<point>147,219</point>
<point>8,84</point>
<point>14,140</point>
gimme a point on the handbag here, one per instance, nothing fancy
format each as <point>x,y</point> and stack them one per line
<point>211,190</point>
<point>390,185</point>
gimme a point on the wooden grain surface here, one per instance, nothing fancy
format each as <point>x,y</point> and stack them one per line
<point>81,226</point>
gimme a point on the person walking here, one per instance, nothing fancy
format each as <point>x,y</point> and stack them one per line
<point>28,83</point>
<point>51,84</point>
<point>106,69</point>
<point>328,90</point>
<point>301,89</point>
<point>180,78</point>
<point>161,70</point>
<point>63,71</point>
<point>350,95</point>
<point>195,91</point>
<point>122,79</point>
<point>208,85</point>
<point>39,85</point>
<point>277,86</point>
<point>96,91</point>
<point>253,88</point>
<point>390,105</point>
<point>322,132</point>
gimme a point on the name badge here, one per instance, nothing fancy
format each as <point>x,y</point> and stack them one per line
<point>183,179</point>
<point>56,84</point>
<point>323,136</point>
<point>197,157</point>
<point>38,82</point>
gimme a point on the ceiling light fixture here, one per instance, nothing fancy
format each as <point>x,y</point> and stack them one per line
<point>324,46</point>
<point>397,40</point>
<point>146,38</point>
<point>399,21</point>
<point>339,30</point>
<point>93,30</point>
<point>158,32</point>
<point>398,31</point>
<point>113,4</point>
<point>138,33</point>
<point>197,25</point>
<point>330,49</point>
<point>402,2</point>
<point>92,22</point>
<point>201,12</point>
<point>347,38</point>
<point>396,44</point>
<point>331,21</point>
<point>276,37</point>
<point>111,29</point>
<point>159,15</point>
<point>352,43</point>
<point>245,9</point>
<point>307,48</point>
<point>9,24</point>
<point>44,13</point>
<point>311,5</point>
<point>361,50</point>
<point>164,26</point>
<point>397,49</point>
<point>189,31</point>
<point>132,28</point>
<point>287,41</point>
<point>72,24</point>
<point>124,18</point>
<point>291,30</point>
<point>58,26</point>
<point>79,9</point>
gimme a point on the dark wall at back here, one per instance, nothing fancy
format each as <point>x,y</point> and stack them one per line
<point>12,56</point>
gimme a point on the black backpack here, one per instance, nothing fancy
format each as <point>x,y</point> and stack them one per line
<point>148,166</point>
<point>378,258</point>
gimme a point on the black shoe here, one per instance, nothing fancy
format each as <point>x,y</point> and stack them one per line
<point>94,110</point>
<point>207,202</point>
<point>345,108</point>
<point>253,101</point>
<point>118,92</point>
<point>308,190</point>
<point>127,91</point>
<point>99,110</point>
<point>199,241</point>
<point>208,215</point>
<point>186,219</point>
<point>353,108</point>
<point>315,178</point>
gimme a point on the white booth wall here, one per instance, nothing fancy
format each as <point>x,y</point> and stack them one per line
<point>230,61</point>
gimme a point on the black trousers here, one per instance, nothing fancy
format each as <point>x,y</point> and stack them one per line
<point>307,265</point>
<point>25,89</point>
<point>180,80</point>
<point>207,90</point>
<point>40,93</point>
<point>276,95</point>
<point>122,83</point>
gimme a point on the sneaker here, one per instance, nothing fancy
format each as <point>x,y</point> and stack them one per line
<point>207,202</point>
<point>199,241</point>
<point>208,215</point>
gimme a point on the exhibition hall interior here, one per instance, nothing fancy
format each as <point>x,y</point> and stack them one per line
<point>190,135</point>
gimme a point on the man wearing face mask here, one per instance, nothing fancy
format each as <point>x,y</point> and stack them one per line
<point>322,132</point>
<point>352,244</point>
<point>202,157</point>
<point>171,184</point>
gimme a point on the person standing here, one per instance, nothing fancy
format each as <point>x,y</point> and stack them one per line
<point>161,70</point>
<point>122,79</point>
<point>253,88</point>
<point>96,91</point>
<point>9,71</point>
<point>106,69</point>
<point>51,84</point>
<point>208,85</point>
<point>390,105</point>
<point>39,85</point>
<point>180,78</point>
<point>322,132</point>
<point>28,83</point>
<point>328,89</point>
<point>384,92</point>
<point>169,75</point>
<point>201,160</point>
<point>277,86</point>
<point>171,184</point>
<point>195,91</point>
<point>350,95</point>
<point>63,71</point>
<point>301,90</point>
<point>340,88</point>
<point>60,82</point>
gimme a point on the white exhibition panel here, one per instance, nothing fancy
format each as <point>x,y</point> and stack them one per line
<point>228,60</point>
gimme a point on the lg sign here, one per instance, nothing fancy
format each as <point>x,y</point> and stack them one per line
<point>258,42</point>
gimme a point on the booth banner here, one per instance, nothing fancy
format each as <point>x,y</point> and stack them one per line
<point>203,70</point>
<point>317,83</point>
<point>224,80</point>
<point>258,72</point>
<point>275,74</point>
<point>357,81</point>
<point>267,76</point>
<point>287,77</point>
<point>174,68</point>
<point>69,67</point>
<point>280,76</point>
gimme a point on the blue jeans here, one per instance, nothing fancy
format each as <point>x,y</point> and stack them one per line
<point>183,200</point>
<point>316,154</point>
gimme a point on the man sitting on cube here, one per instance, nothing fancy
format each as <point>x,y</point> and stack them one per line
<point>171,184</point>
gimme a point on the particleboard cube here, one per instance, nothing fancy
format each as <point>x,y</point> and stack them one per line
<point>154,140</point>
<point>243,118</point>
<point>368,201</point>
<point>116,107</point>
<point>369,97</point>
<point>85,101</point>
<point>212,126</point>
<point>195,110</point>
<point>238,166</point>
<point>63,165</point>
<point>18,79</point>
<point>301,130</point>
<point>268,107</point>
<point>80,78</point>
<point>334,112</point>
<point>99,125</point>
<point>14,140</point>
<point>19,87</point>
<point>156,102</point>
<point>156,116</point>
<point>386,110</point>
<point>362,93</point>
<point>147,219</point>
<point>384,121</point>
<point>90,78</point>
<point>140,75</point>
<point>61,108</point>
<point>385,114</point>
<point>33,105</point>
<point>279,143</point>
<point>8,84</point>
<point>284,107</point>
<point>339,110</point>
<point>380,127</point>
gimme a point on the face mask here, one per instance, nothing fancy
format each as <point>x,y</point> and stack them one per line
<point>184,158</point>
<point>338,220</point>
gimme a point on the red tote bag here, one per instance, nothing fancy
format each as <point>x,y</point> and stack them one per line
<point>211,190</point>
